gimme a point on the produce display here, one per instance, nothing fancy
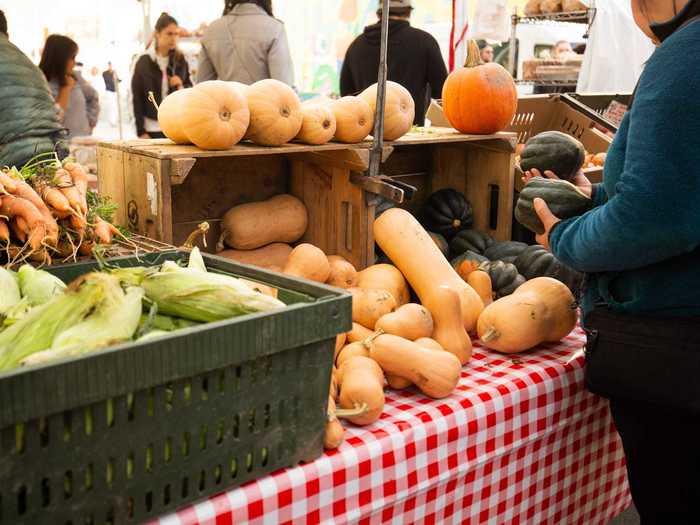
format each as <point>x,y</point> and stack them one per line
<point>479,98</point>
<point>563,199</point>
<point>216,115</point>
<point>45,319</point>
<point>537,7</point>
<point>553,151</point>
<point>47,212</point>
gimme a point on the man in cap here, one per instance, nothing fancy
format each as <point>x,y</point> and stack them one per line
<point>413,59</point>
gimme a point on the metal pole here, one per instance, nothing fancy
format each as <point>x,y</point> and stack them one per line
<point>512,65</point>
<point>375,155</point>
<point>119,104</point>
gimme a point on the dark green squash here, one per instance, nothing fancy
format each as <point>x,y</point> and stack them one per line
<point>441,243</point>
<point>537,261</point>
<point>447,212</point>
<point>563,198</point>
<point>506,251</point>
<point>472,240</point>
<point>468,256</point>
<point>553,151</point>
<point>504,277</point>
<point>382,206</point>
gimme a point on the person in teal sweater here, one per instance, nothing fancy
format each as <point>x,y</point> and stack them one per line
<point>640,249</point>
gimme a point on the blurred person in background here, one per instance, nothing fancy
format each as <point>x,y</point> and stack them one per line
<point>29,122</point>
<point>486,52</point>
<point>245,45</point>
<point>161,70</point>
<point>562,50</point>
<point>76,97</point>
<point>110,78</point>
<point>414,59</point>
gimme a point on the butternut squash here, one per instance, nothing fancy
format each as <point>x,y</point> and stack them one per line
<point>449,331</point>
<point>358,333</point>
<point>410,321</point>
<point>408,245</point>
<point>343,274</point>
<point>334,432</point>
<point>542,310</point>
<point>309,262</point>
<point>282,218</point>
<point>362,385</point>
<point>436,374</point>
<point>259,287</point>
<point>339,344</point>
<point>481,282</point>
<point>385,277</point>
<point>271,257</point>
<point>358,348</point>
<point>430,344</point>
<point>401,383</point>
<point>368,305</point>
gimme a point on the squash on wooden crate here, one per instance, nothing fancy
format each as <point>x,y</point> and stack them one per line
<point>479,98</point>
<point>272,256</point>
<point>447,212</point>
<point>399,108</point>
<point>318,124</point>
<point>354,119</point>
<point>540,311</point>
<point>282,218</point>
<point>308,262</point>
<point>275,113</point>
<point>169,118</point>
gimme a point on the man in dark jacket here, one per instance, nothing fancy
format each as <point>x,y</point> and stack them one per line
<point>413,59</point>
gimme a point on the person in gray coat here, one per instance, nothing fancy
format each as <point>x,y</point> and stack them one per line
<point>245,45</point>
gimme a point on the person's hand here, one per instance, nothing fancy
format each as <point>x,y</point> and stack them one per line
<point>144,136</point>
<point>70,82</point>
<point>548,220</point>
<point>579,180</point>
<point>176,82</point>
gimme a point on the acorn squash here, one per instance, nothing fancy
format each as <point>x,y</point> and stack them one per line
<point>472,240</point>
<point>553,151</point>
<point>563,198</point>
<point>505,278</point>
<point>506,251</point>
<point>537,261</point>
<point>447,212</point>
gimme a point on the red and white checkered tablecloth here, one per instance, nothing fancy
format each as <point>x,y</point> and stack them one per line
<point>519,442</point>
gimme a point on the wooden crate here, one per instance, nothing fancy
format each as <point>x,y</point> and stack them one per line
<point>164,190</point>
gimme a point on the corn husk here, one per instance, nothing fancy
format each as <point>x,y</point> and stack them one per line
<point>37,330</point>
<point>164,323</point>
<point>153,334</point>
<point>38,286</point>
<point>205,297</point>
<point>196,261</point>
<point>113,321</point>
<point>9,291</point>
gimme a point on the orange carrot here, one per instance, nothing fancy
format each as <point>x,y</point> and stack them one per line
<point>23,210</point>
<point>26,192</point>
<point>53,198</point>
<point>104,231</point>
<point>7,182</point>
<point>80,179</point>
<point>74,198</point>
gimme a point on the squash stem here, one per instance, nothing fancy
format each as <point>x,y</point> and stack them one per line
<point>345,413</point>
<point>473,55</point>
<point>202,229</point>
<point>367,343</point>
<point>490,335</point>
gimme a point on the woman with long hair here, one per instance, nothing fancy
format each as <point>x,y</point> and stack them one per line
<point>78,100</point>
<point>161,70</point>
<point>245,45</point>
<point>640,248</point>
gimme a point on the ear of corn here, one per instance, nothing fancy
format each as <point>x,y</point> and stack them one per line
<point>9,291</point>
<point>38,286</point>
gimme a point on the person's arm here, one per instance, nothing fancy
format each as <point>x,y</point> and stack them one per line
<point>347,82</point>
<point>654,214</point>
<point>437,71</point>
<point>205,68</point>
<point>92,102</point>
<point>279,59</point>
<point>138,92</point>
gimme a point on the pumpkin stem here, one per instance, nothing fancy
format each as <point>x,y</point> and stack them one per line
<point>345,413</point>
<point>490,335</point>
<point>367,343</point>
<point>152,98</point>
<point>473,55</point>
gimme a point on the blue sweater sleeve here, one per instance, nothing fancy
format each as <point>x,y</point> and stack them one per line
<point>654,213</point>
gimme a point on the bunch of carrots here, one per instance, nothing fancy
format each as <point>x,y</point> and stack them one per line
<point>44,212</point>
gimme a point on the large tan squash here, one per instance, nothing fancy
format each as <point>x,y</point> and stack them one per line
<point>169,117</point>
<point>362,383</point>
<point>399,112</point>
<point>385,277</point>
<point>272,257</point>
<point>318,126</point>
<point>309,262</point>
<point>275,113</point>
<point>354,119</point>
<point>282,218</point>
<point>408,245</point>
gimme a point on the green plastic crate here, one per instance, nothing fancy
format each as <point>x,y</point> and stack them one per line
<point>129,433</point>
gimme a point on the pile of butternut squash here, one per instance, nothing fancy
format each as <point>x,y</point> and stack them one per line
<point>397,339</point>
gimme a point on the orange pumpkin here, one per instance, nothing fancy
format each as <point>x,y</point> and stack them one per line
<point>479,98</point>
